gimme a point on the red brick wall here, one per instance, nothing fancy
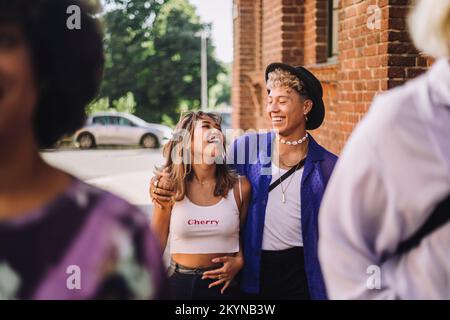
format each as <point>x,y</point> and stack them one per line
<point>245,53</point>
<point>315,35</point>
<point>370,60</point>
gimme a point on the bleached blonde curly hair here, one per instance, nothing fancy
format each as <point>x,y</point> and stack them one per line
<point>429,25</point>
<point>283,78</point>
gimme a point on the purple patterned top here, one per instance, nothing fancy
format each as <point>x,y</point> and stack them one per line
<point>85,244</point>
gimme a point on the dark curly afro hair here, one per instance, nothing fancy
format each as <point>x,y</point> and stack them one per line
<point>68,64</point>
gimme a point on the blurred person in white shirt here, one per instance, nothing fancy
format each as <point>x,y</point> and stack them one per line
<point>393,173</point>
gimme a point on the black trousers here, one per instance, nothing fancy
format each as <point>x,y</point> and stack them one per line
<point>282,276</point>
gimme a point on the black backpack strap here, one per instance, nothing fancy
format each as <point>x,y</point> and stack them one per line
<point>439,217</point>
<point>298,166</point>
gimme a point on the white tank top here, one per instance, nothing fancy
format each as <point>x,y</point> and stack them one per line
<point>198,229</point>
<point>282,225</point>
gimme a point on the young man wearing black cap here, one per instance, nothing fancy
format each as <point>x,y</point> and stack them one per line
<point>288,172</point>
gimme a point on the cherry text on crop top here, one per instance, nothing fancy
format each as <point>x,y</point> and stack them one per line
<point>198,229</point>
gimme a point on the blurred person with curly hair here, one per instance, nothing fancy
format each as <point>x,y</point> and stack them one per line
<point>59,237</point>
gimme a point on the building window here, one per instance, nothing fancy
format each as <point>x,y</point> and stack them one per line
<point>333,28</point>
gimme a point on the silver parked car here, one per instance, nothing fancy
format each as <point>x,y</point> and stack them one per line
<point>120,128</point>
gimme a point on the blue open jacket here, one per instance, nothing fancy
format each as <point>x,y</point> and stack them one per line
<point>250,155</point>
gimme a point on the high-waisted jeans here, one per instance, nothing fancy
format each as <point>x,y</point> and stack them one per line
<point>187,284</point>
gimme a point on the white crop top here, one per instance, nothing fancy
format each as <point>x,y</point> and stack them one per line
<point>198,229</point>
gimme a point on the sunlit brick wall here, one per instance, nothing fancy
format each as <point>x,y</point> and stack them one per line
<point>375,54</point>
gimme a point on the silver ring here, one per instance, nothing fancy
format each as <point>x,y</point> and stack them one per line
<point>156,183</point>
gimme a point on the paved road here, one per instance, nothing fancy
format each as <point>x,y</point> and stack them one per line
<point>124,172</point>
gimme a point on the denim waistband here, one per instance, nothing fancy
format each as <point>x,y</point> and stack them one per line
<point>178,268</point>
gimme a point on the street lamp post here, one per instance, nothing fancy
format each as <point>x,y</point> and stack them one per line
<point>204,68</point>
<point>204,34</point>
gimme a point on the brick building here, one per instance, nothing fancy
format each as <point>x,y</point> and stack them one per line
<point>356,48</point>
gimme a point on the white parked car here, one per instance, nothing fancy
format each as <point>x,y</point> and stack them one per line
<point>120,128</point>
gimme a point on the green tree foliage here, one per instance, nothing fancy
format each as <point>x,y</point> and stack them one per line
<point>98,105</point>
<point>153,52</point>
<point>127,103</point>
<point>220,93</point>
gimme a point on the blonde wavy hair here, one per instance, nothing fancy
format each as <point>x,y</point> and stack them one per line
<point>429,26</point>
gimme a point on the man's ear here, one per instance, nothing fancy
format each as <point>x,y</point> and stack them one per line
<point>308,104</point>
